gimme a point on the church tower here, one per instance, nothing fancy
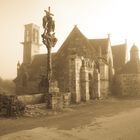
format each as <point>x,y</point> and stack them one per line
<point>31,42</point>
<point>134,53</point>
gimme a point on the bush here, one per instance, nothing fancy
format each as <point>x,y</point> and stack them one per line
<point>7,86</point>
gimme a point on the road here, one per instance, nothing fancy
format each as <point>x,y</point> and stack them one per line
<point>98,120</point>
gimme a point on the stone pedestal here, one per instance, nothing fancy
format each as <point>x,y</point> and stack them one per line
<point>54,99</point>
<point>66,99</point>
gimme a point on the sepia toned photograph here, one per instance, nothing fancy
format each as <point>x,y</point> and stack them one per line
<point>69,70</point>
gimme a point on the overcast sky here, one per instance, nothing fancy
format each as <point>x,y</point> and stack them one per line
<point>95,18</point>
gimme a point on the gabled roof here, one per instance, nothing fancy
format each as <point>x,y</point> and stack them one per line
<point>39,59</point>
<point>78,42</point>
<point>134,48</point>
<point>119,55</point>
<point>100,44</point>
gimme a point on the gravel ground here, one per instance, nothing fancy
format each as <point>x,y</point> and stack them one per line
<point>111,119</point>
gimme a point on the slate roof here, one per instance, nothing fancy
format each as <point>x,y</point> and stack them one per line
<point>79,42</point>
<point>76,39</point>
<point>119,55</point>
<point>40,59</point>
<point>100,43</point>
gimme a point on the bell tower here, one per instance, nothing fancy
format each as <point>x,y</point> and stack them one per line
<point>134,53</point>
<point>31,42</point>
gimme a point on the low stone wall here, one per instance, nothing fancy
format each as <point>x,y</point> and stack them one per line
<point>10,106</point>
<point>128,84</point>
<point>64,99</point>
<point>31,99</point>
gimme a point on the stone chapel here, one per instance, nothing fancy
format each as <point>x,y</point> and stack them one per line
<point>84,67</point>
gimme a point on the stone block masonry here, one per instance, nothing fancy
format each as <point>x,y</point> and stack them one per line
<point>74,78</point>
<point>128,84</point>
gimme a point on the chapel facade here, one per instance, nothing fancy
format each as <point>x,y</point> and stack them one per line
<point>84,67</point>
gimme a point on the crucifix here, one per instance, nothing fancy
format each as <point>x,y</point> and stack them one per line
<point>49,40</point>
<point>49,10</point>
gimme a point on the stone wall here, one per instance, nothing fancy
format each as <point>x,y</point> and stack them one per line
<point>74,78</point>
<point>82,81</point>
<point>128,84</point>
<point>85,84</point>
<point>96,85</point>
<point>64,99</point>
<point>104,71</point>
<point>61,71</point>
<point>87,78</point>
<point>31,99</point>
<point>10,106</point>
<point>104,79</point>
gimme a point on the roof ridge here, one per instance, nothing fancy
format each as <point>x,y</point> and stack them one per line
<point>119,44</point>
<point>98,39</point>
<point>77,31</point>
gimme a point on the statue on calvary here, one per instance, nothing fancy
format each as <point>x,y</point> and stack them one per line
<point>48,24</point>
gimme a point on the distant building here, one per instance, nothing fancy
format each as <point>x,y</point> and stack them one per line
<point>84,67</point>
<point>120,56</point>
<point>128,78</point>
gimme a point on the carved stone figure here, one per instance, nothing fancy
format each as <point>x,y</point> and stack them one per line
<point>48,23</point>
<point>49,40</point>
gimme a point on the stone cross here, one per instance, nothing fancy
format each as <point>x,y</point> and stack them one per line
<point>49,9</point>
<point>49,40</point>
